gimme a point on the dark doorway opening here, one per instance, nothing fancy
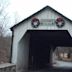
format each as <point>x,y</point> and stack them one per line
<point>41,43</point>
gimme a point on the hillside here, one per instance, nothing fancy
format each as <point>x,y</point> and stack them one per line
<point>5,46</point>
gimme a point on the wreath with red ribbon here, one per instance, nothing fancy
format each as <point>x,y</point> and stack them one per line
<point>60,22</point>
<point>35,22</point>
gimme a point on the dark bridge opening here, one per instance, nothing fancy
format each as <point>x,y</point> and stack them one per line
<point>41,43</point>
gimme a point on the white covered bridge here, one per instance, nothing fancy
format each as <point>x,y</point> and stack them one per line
<point>35,38</point>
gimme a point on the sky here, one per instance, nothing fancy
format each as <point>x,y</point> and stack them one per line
<point>21,9</point>
<point>18,10</point>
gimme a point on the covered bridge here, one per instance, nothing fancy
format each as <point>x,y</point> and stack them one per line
<point>36,37</point>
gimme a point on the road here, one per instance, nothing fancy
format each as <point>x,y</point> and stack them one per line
<point>63,64</point>
<point>59,66</point>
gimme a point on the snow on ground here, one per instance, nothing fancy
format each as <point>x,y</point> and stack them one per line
<point>62,64</point>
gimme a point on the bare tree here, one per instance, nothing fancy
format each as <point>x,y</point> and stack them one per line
<point>3,16</point>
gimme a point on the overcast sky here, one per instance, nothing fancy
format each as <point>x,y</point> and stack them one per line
<point>21,9</point>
